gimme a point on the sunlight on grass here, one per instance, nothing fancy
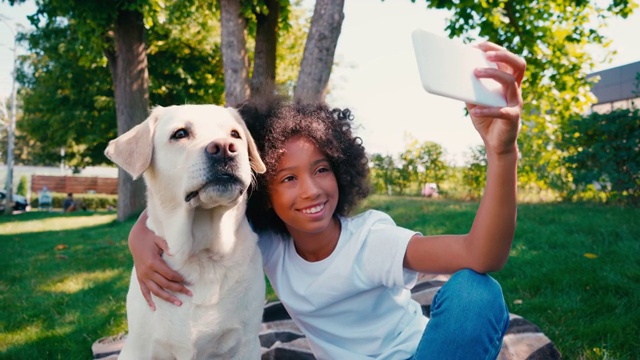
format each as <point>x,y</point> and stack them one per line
<point>525,250</point>
<point>31,333</point>
<point>81,281</point>
<point>19,337</point>
<point>55,224</point>
<point>518,249</point>
<point>598,353</point>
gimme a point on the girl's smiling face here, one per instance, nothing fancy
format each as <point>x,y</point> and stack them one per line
<point>304,190</point>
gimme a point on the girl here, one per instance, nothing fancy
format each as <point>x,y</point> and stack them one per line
<point>346,281</point>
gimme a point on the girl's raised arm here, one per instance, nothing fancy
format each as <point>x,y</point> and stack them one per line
<point>486,247</point>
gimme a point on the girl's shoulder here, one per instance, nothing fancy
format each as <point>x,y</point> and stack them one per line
<point>362,232</point>
<point>374,225</point>
<point>370,215</point>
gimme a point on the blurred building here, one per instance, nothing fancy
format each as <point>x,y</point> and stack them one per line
<point>618,88</point>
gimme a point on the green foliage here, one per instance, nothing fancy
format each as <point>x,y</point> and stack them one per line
<point>185,67</point>
<point>383,173</point>
<point>23,186</point>
<point>474,173</point>
<point>185,63</point>
<point>67,89</point>
<point>90,201</point>
<point>68,95</point>
<point>604,152</point>
<point>430,159</point>
<point>407,171</point>
<point>552,36</point>
<point>94,21</point>
<point>66,105</point>
<point>291,40</point>
<point>421,163</point>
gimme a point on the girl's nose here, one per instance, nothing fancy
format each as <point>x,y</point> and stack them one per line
<point>309,189</point>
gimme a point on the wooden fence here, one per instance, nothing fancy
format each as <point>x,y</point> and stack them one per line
<point>74,184</point>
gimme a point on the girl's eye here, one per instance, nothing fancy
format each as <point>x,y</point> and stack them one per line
<point>235,134</point>
<point>288,178</point>
<point>323,170</point>
<point>179,134</point>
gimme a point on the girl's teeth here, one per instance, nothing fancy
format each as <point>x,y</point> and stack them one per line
<point>314,209</point>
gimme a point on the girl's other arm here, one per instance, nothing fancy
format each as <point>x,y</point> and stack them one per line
<point>154,275</point>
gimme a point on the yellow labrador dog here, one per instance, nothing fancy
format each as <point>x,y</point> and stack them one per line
<point>196,161</point>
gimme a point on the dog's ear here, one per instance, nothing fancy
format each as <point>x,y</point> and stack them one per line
<point>132,150</point>
<point>254,155</point>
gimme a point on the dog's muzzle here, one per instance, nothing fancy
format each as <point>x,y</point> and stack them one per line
<point>221,160</point>
<point>222,181</point>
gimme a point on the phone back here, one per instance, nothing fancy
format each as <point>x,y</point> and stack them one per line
<point>446,69</point>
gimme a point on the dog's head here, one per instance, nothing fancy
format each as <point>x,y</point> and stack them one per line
<point>202,153</point>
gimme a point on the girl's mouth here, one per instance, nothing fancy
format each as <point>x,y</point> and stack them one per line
<point>313,210</point>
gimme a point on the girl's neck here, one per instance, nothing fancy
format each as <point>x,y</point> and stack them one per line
<point>317,246</point>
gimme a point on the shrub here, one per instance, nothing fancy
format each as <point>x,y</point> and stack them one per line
<point>90,201</point>
<point>602,154</point>
<point>22,186</point>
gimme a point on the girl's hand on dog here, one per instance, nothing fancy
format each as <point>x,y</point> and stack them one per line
<point>499,126</point>
<point>154,275</point>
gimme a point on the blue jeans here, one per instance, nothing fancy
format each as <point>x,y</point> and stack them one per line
<point>469,318</point>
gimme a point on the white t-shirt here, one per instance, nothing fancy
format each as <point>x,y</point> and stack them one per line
<point>356,303</point>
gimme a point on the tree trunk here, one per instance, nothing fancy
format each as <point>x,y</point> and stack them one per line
<point>234,52</point>
<point>264,63</point>
<point>319,51</point>
<point>131,87</point>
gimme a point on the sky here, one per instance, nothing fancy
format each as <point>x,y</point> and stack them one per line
<point>377,77</point>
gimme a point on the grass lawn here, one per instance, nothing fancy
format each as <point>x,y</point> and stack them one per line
<point>574,271</point>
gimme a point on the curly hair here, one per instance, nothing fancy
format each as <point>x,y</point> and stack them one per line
<point>272,122</point>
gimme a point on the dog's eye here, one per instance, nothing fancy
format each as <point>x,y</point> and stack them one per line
<point>235,134</point>
<point>179,134</point>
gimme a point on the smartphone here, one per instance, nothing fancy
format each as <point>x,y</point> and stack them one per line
<point>446,69</point>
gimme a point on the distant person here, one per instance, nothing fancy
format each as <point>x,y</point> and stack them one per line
<point>44,199</point>
<point>69,203</point>
<point>430,190</point>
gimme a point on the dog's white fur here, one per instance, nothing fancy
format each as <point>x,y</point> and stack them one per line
<point>196,161</point>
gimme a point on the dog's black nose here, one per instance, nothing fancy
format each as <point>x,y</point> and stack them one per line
<point>221,148</point>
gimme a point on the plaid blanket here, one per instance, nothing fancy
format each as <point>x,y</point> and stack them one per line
<point>281,339</point>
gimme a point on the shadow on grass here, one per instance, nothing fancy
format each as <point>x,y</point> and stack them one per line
<point>62,290</point>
